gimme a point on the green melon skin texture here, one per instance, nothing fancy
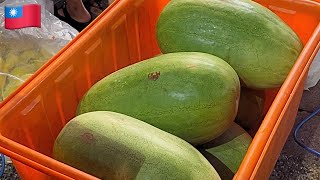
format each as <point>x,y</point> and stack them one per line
<point>250,111</point>
<point>114,146</point>
<point>194,97</point>
<point>226,152</point>
<point>252,39</point>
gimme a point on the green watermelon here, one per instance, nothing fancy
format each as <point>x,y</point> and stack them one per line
<point>250,112</point>
<point>253,40</point>
<point>226,152</point>
<point>191,95</point>
<point>114,146</point>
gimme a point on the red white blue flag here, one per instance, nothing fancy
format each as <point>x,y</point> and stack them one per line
<point>23,16</point>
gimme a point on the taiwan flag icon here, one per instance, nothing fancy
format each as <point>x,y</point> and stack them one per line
<point>23,16</point>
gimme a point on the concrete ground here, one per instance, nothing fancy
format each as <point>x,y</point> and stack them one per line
<point>295,162</point>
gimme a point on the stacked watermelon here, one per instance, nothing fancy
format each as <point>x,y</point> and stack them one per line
<point>169,116</point>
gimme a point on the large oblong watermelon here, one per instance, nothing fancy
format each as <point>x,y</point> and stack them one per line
<point>113,146</point>
<point>192,95</point>
<point>251,38</point>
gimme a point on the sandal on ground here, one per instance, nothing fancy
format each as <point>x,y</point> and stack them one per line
<point>68,19</point>
<point>95,7</point>
<point>95,3</point>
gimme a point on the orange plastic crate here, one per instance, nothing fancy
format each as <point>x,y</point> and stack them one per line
<point>32,117</point>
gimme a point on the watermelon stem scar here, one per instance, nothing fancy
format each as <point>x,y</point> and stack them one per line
<point>88,138</point>
<point>154,75</point>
